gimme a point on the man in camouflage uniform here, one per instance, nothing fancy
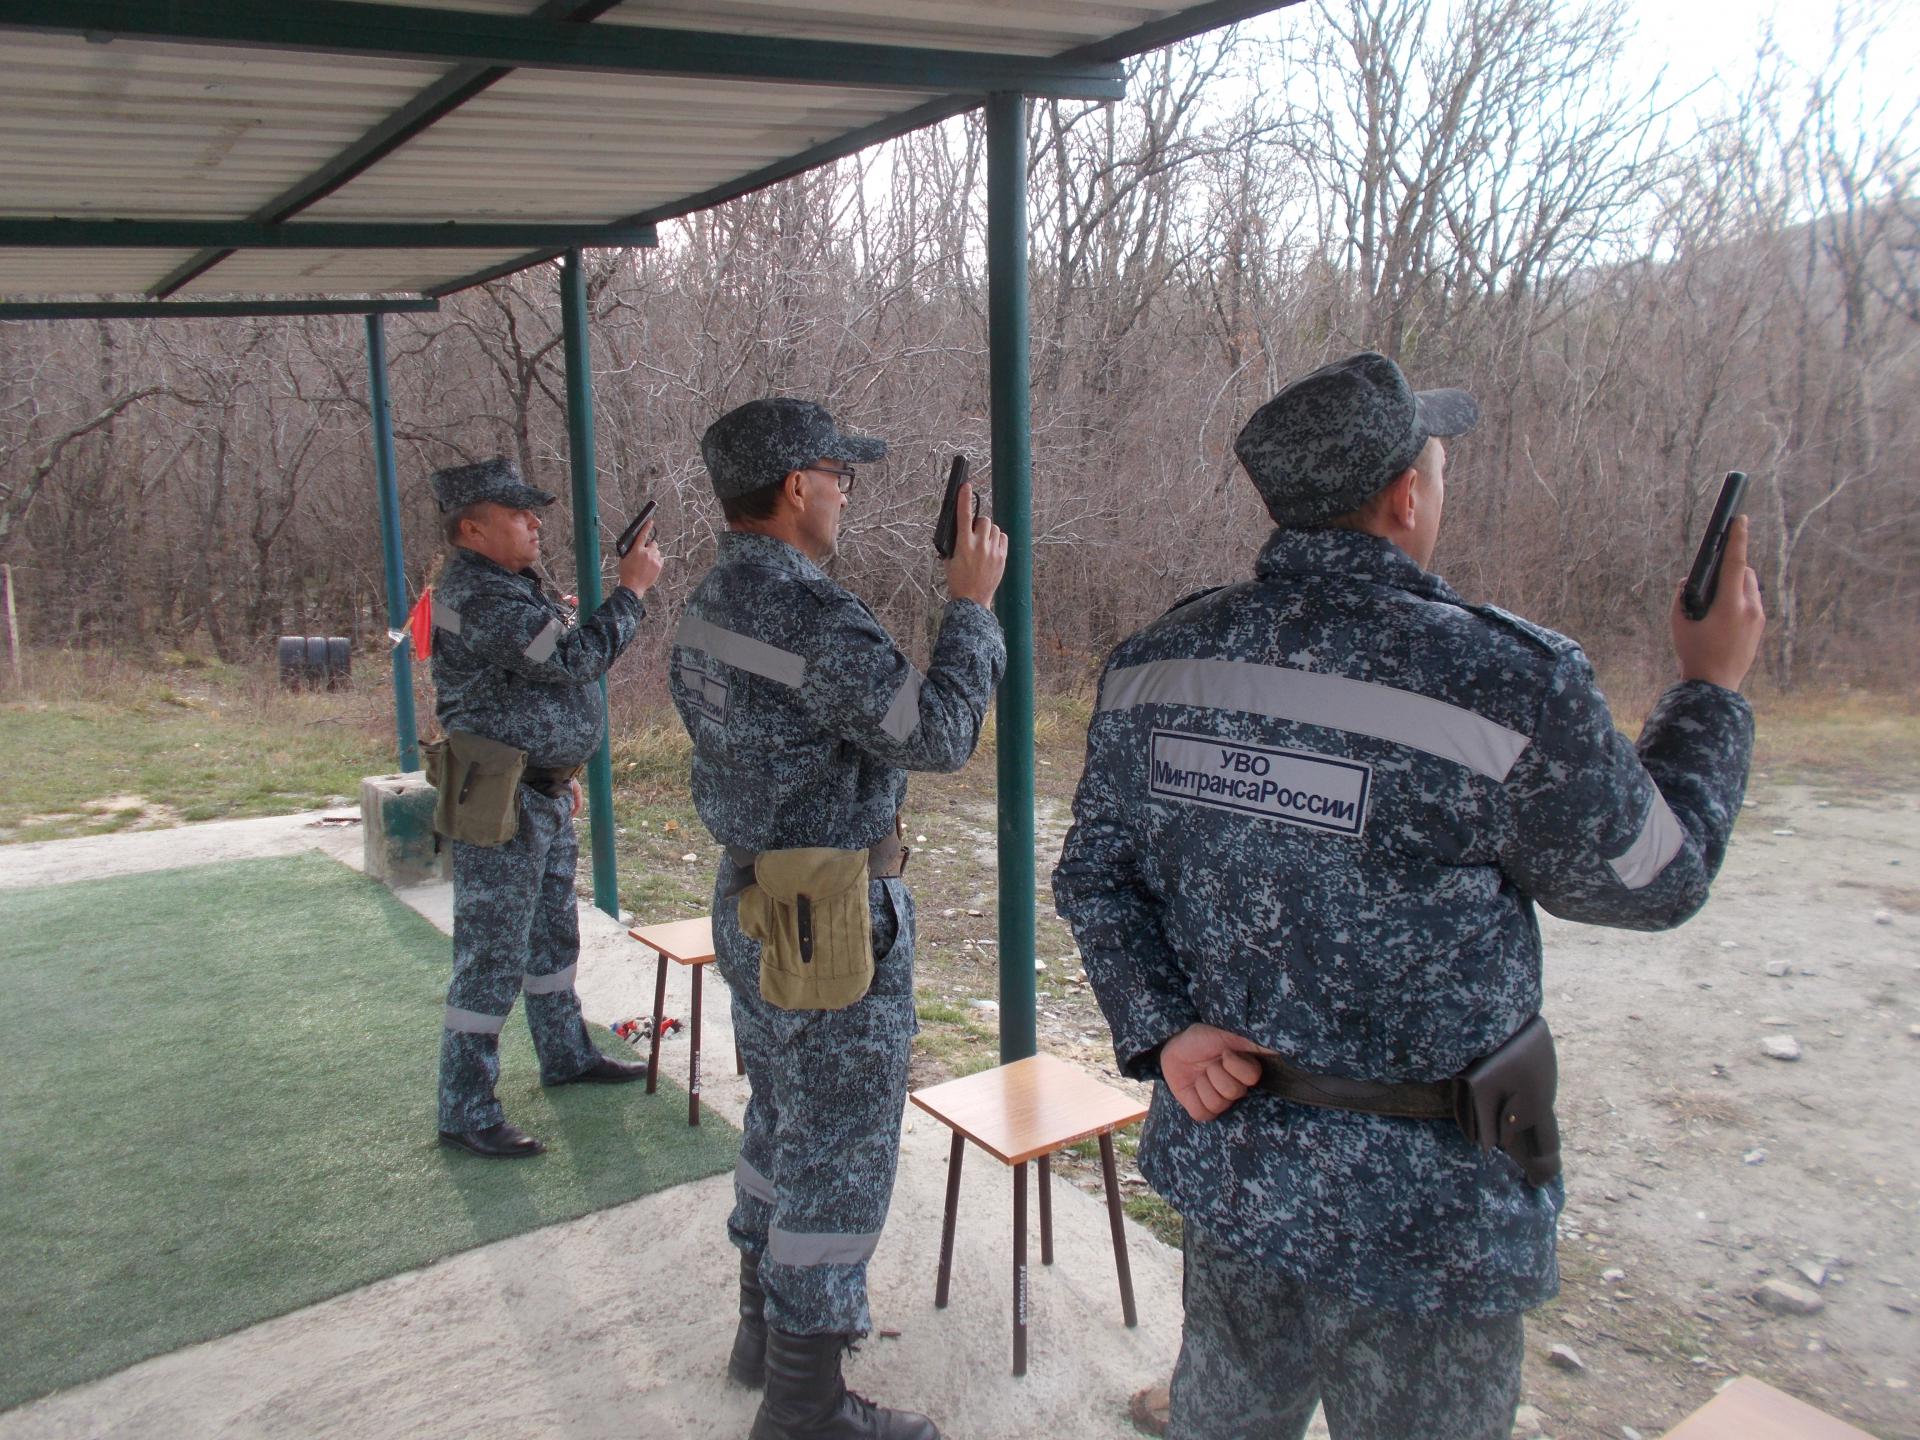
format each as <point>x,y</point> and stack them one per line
<point>1318,810</point>
<point>507,666</point>
<point>805,718</point>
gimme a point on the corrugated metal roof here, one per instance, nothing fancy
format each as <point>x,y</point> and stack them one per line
<point>153,129</point>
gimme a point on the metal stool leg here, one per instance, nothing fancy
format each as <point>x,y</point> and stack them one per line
<point>659,1013</point>
<point>1119,1229</point>
<point>1020,1269</point>
<point>693,1068</point>
<point>954,1157</point>
<point>1046,1210</point>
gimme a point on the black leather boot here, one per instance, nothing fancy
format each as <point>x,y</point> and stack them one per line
<point>807,1400</point>
<point>748,1363</point>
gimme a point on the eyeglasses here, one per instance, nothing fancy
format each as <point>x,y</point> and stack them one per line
<point>841,478</point>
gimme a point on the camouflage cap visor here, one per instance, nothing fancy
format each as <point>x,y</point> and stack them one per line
<point>854,449</point>
<point>1444,414</point>
<point>522,497</point>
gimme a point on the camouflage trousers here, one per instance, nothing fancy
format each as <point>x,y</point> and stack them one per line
<point>822,1131</point>
<point>515,929</point>
<point>1259,1349</point>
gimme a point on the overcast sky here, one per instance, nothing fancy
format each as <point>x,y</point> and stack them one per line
<point>1712,43</point>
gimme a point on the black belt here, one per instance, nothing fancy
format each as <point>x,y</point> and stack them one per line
<point>1502,1101</point>
<point>886,859</point>
<point>1436,1100</point>
<point>551,780</point>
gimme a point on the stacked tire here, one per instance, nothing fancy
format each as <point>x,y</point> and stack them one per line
<point>315,662</point>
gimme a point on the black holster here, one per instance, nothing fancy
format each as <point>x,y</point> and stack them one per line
<point>1504,1101</point>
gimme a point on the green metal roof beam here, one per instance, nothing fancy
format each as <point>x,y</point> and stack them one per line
<point>349,27</point>
<point>207,309</point>
<point>1195,20</point>
<point>17,233</point>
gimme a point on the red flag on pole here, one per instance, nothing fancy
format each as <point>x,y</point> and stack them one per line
<point>420,622</point>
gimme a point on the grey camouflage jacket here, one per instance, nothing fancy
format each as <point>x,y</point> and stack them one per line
<point>1318,811</point>
<point>804,714</point>
<point>506,665</point>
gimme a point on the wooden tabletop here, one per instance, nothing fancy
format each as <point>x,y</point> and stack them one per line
<point>1748,1409</point>
<point>688,941</point>
<point>1029,1108</point>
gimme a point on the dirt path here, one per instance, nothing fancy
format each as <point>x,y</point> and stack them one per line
<point>1700,1167</point>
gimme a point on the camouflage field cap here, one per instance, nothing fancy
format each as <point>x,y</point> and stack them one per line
<point>497,480</point>
<point>1332,439</point>
<point>755,444</point>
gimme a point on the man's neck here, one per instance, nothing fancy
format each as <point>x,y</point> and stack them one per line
<point>775,527</point>
<point>476,551</point>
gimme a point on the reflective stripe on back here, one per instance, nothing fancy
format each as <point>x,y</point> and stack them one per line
<point>742,652</point>
<point>1308,698</point>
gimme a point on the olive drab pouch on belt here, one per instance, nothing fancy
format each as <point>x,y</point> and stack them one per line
<point>1505,1102</point>
<point>479,784</point>
<point>808,909</point>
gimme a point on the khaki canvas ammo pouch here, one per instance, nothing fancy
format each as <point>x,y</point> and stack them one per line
<point>1505,1102</point>
<point>808,909</point>
<point>479,784</point>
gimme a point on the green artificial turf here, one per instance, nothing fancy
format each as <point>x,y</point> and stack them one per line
<point>219,1106</point>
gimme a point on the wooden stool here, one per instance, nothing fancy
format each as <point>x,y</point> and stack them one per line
<point>689,943</point>
<point>1026,1111</point>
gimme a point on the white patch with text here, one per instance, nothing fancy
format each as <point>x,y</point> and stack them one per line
<point>1299,789</point>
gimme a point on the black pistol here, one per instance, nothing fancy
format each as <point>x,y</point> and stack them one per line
<point>1704,578</point>
<point>632,532</point>
<point>946,530</point>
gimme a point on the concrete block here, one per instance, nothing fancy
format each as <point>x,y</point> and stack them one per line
<point>396,813</point>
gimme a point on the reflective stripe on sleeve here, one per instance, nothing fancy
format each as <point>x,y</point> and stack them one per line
<point>472,1022</point>
<point>788,1247</point>
<point>549,984</point>
<point>754,1183</point>
<point>1308,698</point>
<point>1653,849</point>
<point>903,715</point>
<point>742,652</point>
<point>543,645</point>
<point>445,617</point>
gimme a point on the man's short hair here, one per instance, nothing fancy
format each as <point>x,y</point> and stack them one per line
<point>755,504</point>
<point>450,522</point>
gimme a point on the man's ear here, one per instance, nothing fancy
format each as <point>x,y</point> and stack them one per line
<point>1398,498</point>
<point>795,485</point>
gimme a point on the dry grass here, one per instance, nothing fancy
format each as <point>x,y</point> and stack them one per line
<point>1854,736</point>
<point>1693,1108</point>
<point>1850,734</point>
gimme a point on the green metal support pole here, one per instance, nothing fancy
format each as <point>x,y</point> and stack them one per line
<point>1013,511</point>
<point>386,473</point>
<point>586,559</point>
